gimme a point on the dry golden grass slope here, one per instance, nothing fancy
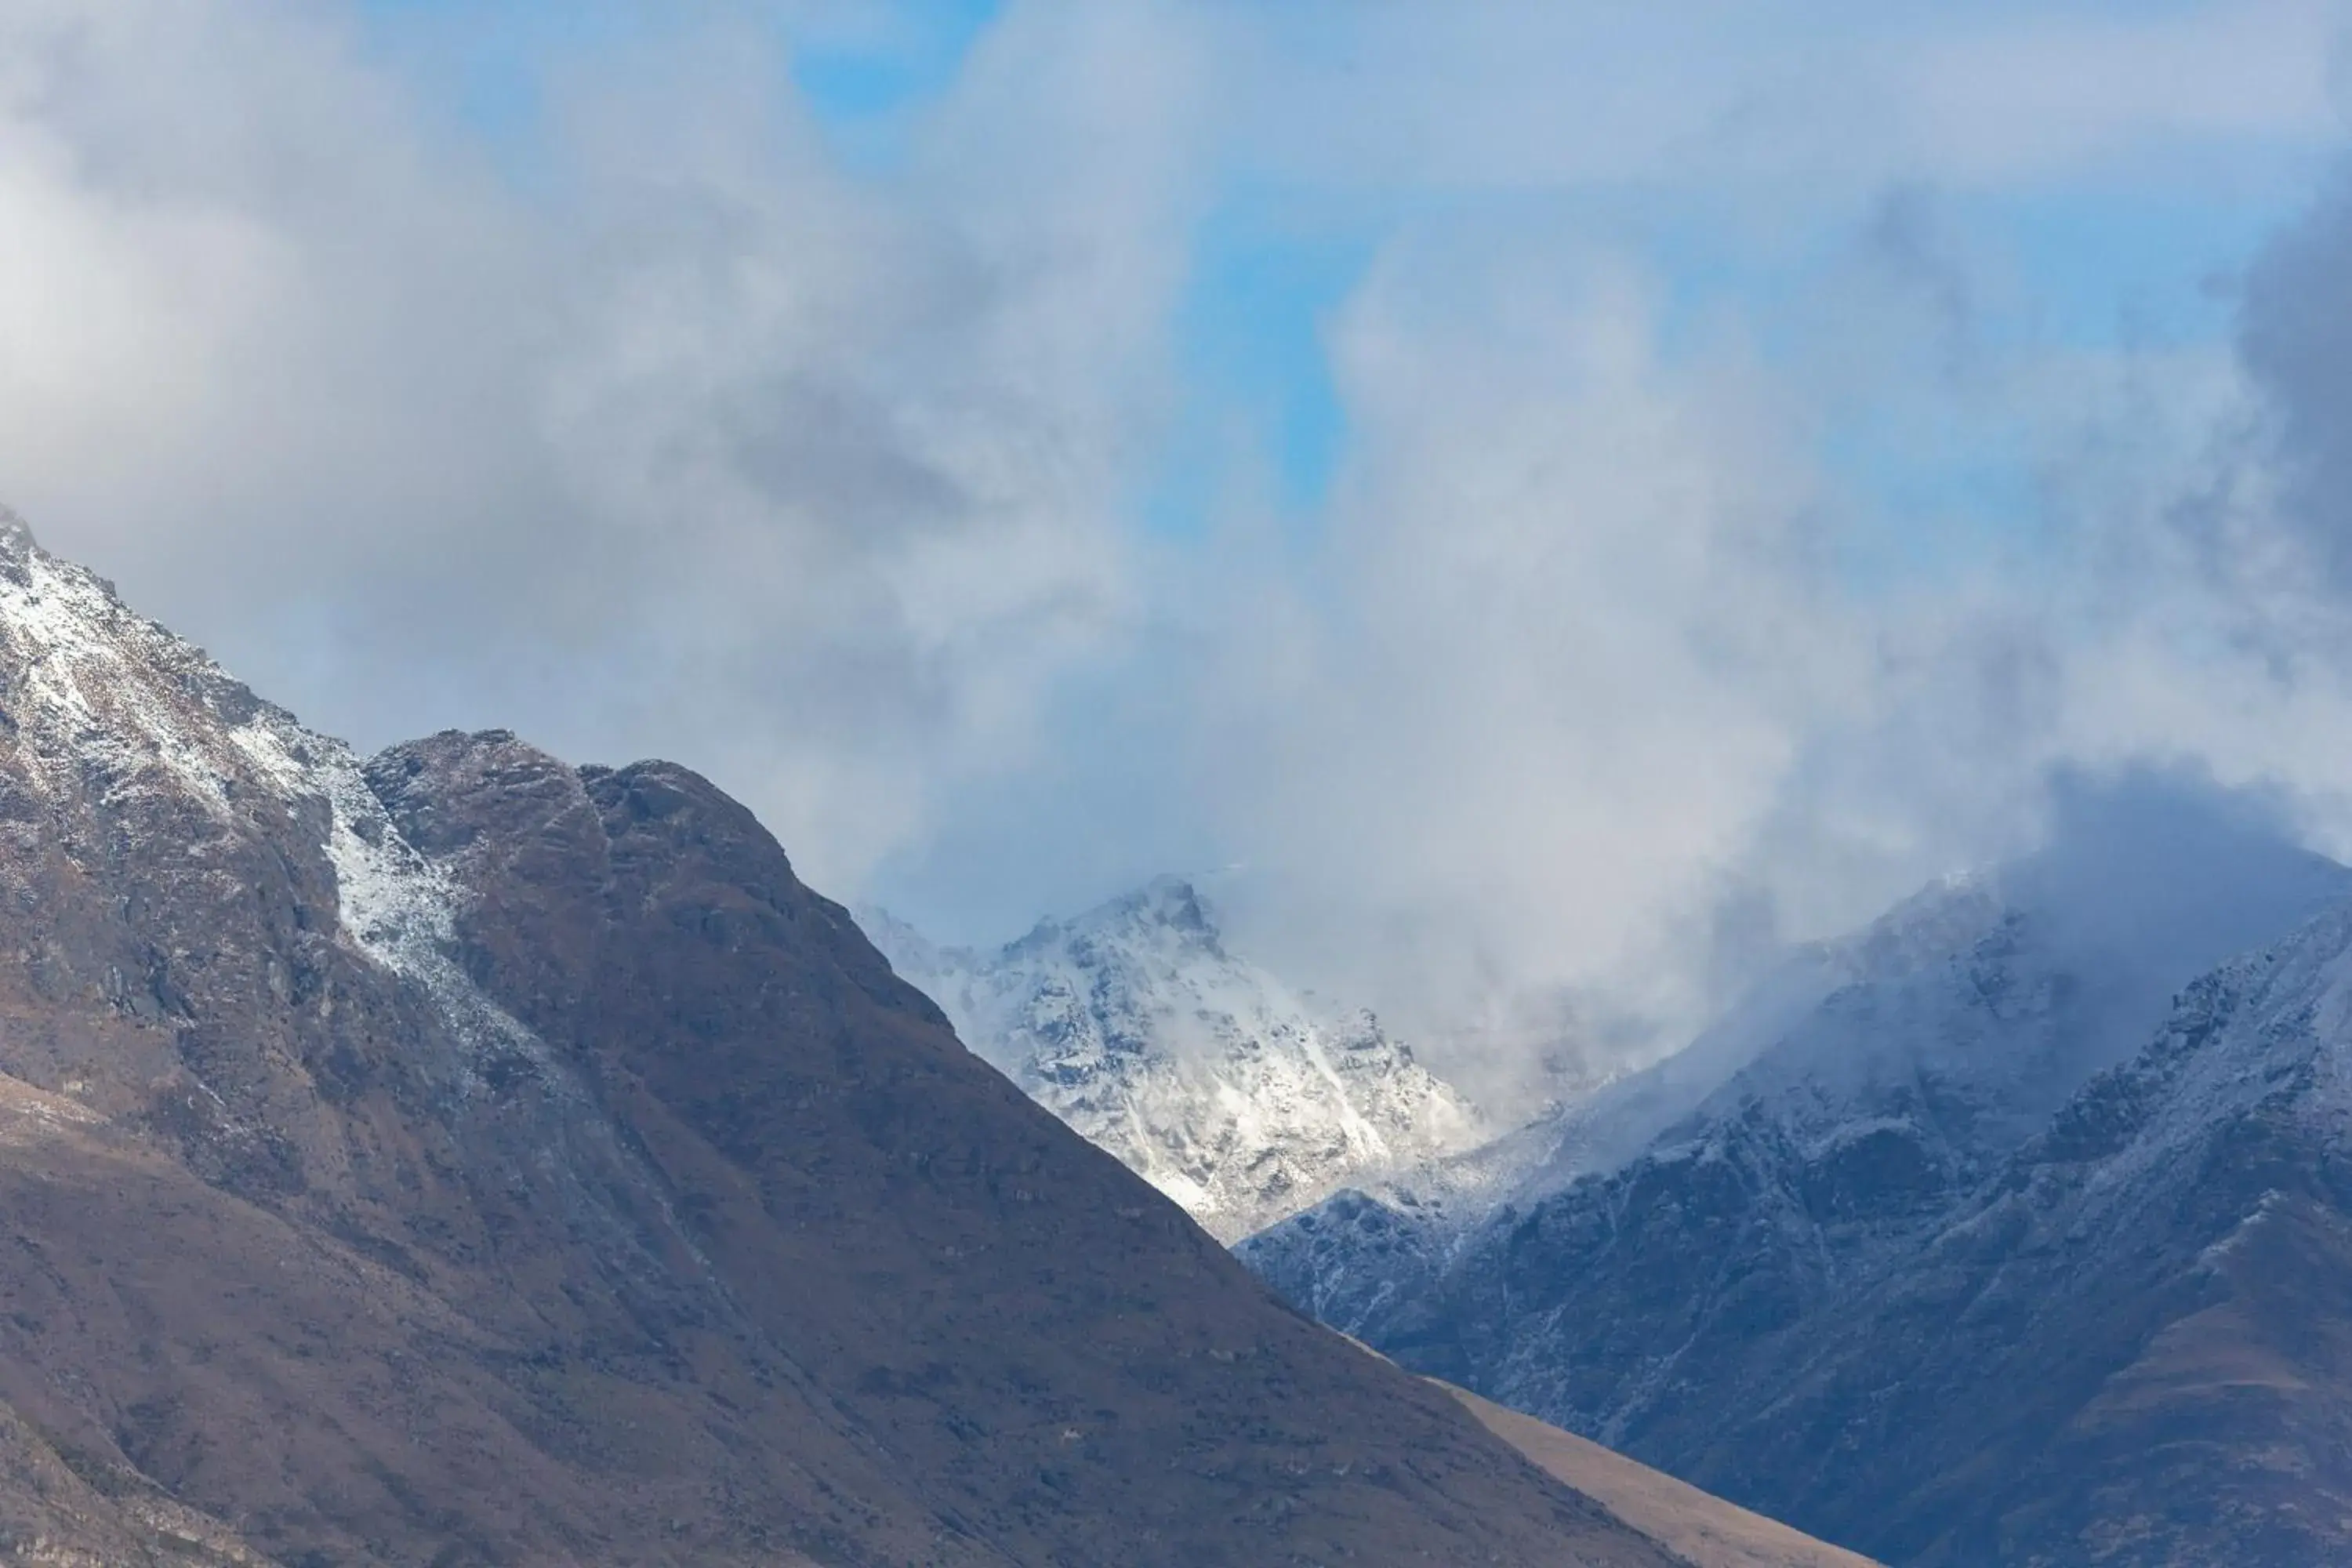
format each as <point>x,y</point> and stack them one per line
<point>1697,1525</point>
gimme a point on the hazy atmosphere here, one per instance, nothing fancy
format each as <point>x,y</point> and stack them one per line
<point>1527,507</point>
<point>1183,783</point>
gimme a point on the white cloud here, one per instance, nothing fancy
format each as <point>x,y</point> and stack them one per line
<point>1595,674</point>
<point>697,444</point>
<point>1813,104</point>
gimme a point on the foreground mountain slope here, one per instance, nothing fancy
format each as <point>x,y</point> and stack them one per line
<point>1763,1301</point>
<point>472,1160</point>
<point>1702,1529</point>
<point>1136,1024</point>
<point>1083,1332</point>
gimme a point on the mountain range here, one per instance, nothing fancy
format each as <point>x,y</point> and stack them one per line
<point>2010,1230</point>
<point>458,1157</point>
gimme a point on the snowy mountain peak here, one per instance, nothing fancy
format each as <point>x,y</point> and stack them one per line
<point>1240,1099</point>
<point>1166,915</point>
<point>1865,1084</point>
<point>17,539</point>
<point>1985,998</point>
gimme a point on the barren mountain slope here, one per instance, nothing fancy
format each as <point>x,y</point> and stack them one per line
<point>1704,1528</point>
<point>471,1160</point>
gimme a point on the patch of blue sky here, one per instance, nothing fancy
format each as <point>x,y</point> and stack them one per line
<point>2132,268</point>
<point>1253,353</point>
<point>867,88</point>
<point>1937,489</point>
<point>1926,509</point>
<point>864,82</point>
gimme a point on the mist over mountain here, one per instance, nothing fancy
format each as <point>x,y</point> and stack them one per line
<point>1727,1266</point>
<point>1573,507</point>
<point>1241,1100</point>
<point>1745,615</point>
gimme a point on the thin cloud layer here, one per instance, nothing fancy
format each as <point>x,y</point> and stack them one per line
<point>692,446</point>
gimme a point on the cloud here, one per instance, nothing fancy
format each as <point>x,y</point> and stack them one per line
<point>1609,679</point>
<point>692,443</point>
<point>1671,598</point>
<point>2297,328</point>
<point>1808,103</point>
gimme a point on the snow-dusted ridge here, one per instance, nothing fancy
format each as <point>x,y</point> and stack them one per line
<point>125,703</point>
<point>1816,1132</point>
<point>1239,1097</point>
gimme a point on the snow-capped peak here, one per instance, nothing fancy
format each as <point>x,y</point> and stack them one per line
<point>1989,996</point>
<point>1242,1099</point>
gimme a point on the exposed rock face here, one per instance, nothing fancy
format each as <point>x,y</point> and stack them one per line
<point>1242,1101</point>
<point>1874,1285</point>
<point>466,1159</point>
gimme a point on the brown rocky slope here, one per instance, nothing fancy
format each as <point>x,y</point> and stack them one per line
<point>472,1160</point>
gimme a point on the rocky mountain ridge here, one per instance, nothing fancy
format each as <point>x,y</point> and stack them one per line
<point>1240,1099</point>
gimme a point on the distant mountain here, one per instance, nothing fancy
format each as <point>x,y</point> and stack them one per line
<point>2133,1345</point>
<point>1243,1100</point>
<point>1769,1297</point>
<point>461,1158</point>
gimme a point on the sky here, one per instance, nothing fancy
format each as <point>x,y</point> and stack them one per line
<point>1535,506</point>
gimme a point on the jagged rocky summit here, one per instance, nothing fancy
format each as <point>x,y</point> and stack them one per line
<point>1237,1096</point>
<point>2010,1231</point>
<point>461,1158</point>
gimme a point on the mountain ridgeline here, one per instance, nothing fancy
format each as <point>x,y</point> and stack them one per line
<point>461,1158</point>
<point>2011,1230</point>
<point>1240,1100</point>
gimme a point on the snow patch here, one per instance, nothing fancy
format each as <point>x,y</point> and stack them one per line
<point>105,700</point>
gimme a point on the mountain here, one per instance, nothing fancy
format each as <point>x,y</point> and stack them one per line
<point>1369,1250</point>
<point>1762,1299</point>
<point>463,1158</point>
<point>1136,1024</point>
<point>2132,1346</point>
<point>1704,1530</point>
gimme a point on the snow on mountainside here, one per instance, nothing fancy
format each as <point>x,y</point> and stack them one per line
<point>143,714</point>
<point>1240,1100</point>
<point>2129,1346</point>
<point>1960,1099</point>
<point>1882,1072</point>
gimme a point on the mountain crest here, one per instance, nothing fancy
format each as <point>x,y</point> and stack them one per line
<point>1166,912</point>
<point>16,536</point>
<point>1239,1097</point>
<point>1964,1238</point>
